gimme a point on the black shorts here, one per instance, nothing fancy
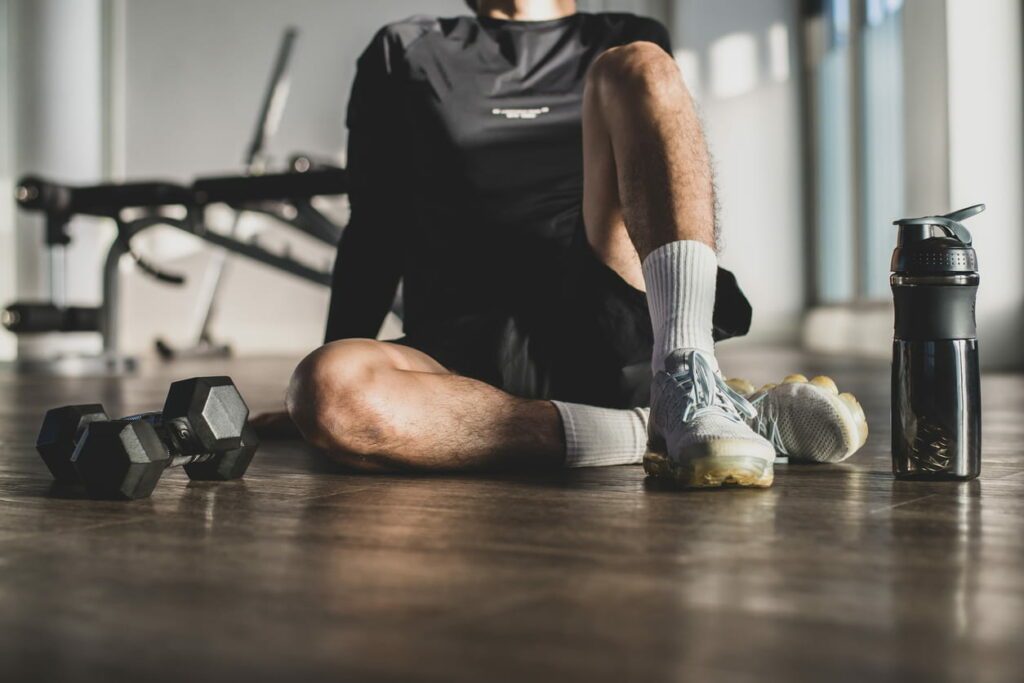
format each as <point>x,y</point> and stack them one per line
<point>589,342</point>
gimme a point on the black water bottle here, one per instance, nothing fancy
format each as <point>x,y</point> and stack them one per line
<point>936,389</point>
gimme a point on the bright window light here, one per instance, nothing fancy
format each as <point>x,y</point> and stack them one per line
<point>778,52</point>
<point>734,65</point>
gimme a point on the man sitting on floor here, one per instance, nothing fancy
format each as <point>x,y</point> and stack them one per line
<point>539,179</point>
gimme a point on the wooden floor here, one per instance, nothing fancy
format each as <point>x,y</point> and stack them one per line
<point>304,572</point>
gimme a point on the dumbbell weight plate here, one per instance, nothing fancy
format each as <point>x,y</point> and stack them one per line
<point>120,459</point>
<point>57,436</point>
<point>228,465</point>
<point>213,408</point>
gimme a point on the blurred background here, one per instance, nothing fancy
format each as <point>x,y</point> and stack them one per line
<point>827,119</point>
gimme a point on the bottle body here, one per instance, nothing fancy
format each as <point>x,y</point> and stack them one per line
<point>936,409</point>
<point>936,385</point>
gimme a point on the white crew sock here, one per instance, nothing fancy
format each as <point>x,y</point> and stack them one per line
<point>598,437</point>
<point>680,278</point>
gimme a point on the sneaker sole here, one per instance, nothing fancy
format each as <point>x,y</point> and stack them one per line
<point>725,462</point>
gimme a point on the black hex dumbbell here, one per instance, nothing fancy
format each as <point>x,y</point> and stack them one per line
<point>202,427</point>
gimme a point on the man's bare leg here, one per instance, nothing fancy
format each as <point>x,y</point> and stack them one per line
<point>379,406</point>
<point>650,181</point>
<point>647,173</point>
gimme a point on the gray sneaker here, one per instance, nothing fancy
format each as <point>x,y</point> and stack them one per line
<point>698,434</point>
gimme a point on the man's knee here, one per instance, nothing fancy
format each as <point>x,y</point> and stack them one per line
<point>332,400</point>
<point>638,70</point>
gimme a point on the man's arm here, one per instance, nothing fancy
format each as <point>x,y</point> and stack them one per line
<point>370,254</point>
<point>366,274</point>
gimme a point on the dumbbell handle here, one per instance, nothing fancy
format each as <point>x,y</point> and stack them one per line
<point>176,436</point>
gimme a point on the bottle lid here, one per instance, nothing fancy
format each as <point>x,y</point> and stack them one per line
<point>933,245</point>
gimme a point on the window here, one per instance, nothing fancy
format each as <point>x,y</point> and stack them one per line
<point>854,111</point>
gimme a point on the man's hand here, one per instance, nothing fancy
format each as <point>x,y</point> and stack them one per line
<point>274,425</point>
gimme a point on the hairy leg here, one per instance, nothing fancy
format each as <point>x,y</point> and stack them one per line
<point>647,178</point>
<point>377,406</point>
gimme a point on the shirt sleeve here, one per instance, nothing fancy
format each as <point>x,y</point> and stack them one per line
<point>369,263</point>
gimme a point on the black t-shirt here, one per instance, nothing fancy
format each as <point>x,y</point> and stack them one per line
<point>466,165</point>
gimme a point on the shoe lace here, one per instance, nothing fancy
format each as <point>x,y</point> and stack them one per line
<point>767,422</point>
<point>708,392</point>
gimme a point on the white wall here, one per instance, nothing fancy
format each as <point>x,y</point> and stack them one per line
<point>985,146</point>
<point>740,60</point>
